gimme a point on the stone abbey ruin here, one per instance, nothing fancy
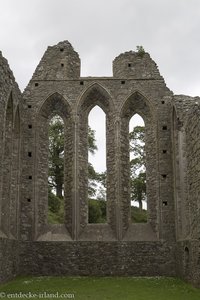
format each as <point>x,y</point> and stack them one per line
<point>168,244</point>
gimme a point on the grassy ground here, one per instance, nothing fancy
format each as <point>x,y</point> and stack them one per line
<point>82,288</point>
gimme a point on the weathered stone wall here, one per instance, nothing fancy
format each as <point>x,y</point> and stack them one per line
<point>9,259</point>
<point>9,171</point>
<point>188,188</point>
<point>172,150</point>
<point>97,258</point>
<point>135,65</point>
<point>120,98</point>
<point>182,105</point>
<point>193,168</point>
<point>59,62</point>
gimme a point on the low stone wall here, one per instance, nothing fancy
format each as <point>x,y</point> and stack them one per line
<point>84,258</point>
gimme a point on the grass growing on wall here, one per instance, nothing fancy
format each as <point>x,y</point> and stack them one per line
<point>99,288</point>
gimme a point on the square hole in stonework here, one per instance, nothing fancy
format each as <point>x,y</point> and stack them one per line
<point>163,102</point>
<point>123,82</point>
<point>81,83</point>
<point>29,106</point>
<point>164,203</point>
<point>30,126</point>
<point>36,84</point>
<point>29,154</point>
<point>164,151</point>
<point>164,127</point>
<point>164,175</point>
<point>62,65</point>
<point>129,65</point>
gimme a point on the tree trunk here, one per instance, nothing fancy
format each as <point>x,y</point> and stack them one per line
<point>140,204</point>
<point>59,190</point>
<point>58,182</point>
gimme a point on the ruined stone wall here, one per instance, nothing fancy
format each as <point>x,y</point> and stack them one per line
<point>57,88</point>
<point>167,243</point>
<point>182,105</point>
<point>187,252</point>
<point>9,171</point>
<point>193,167</point>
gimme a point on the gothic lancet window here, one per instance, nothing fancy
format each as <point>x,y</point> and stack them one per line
<point>137,169</point>
<point>97,166</point>
<point>56,171</point>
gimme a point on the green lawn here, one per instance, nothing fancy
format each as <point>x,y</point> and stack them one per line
<point>99,288</point>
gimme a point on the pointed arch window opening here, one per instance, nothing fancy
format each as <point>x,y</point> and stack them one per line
<point>137,158</point>
<point>97,166</point>
<point>56,170</point>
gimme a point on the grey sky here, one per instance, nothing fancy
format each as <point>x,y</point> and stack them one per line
<point>100,30</point>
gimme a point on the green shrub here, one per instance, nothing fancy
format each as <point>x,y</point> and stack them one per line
<point>140,51</point>
<point>96,211</point>
<point>137,215</point>
<point>55,209</point>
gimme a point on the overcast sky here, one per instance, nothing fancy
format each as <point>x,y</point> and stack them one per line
<point>100,30</point>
